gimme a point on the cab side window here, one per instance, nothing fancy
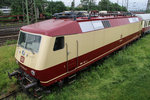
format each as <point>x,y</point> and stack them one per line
<point>59,43</point>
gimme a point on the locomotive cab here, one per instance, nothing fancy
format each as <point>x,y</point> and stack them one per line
<point>28,48</point>
<point>29,57</point>
<point>35,53</point>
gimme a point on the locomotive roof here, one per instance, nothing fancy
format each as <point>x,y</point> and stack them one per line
<point>60,27</point>
<point>53,27</point>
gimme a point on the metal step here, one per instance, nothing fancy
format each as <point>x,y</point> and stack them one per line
<point>40,97</point>
<point>72,79</point>
<point>38,89</point>
<point>70,82</point>
<point>72,76</point>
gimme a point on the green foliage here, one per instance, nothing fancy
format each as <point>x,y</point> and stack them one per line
<point>124,9</point>
<point>88,5</point>
<point>147,11</point>
<point>1,13</point>
<point>109,6</point>
<point>79,9</point>
<point>104,5</point>
<point>55,7</point>
<point>9,42</point>
<point>5,3</point>
<point>40,5</point>
<point>72,5</point>
<point>48,15</point>
<point>7,64</point>
<point>16,7</point>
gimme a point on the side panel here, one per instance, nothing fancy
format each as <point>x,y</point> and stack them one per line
<point>93,46</point>
<point>91,56</point>
<point>71,52</point>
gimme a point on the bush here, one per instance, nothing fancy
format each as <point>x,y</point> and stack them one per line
<point>147,11</point>
<point>48,15</point>
<point>1,13</point>
<point>9,42</point>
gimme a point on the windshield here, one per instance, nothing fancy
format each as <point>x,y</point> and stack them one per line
<point>29,41</point>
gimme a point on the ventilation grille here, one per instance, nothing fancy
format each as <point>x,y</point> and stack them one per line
<point>106,24</point>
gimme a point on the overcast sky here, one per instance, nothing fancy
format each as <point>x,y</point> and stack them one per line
<point>133,4</point>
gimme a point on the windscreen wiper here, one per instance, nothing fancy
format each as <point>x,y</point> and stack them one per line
<point>31,50</point>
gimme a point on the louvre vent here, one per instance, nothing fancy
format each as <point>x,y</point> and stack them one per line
<point>106,23</point>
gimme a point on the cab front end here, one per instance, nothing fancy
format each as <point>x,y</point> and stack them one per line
<point>28,58</point>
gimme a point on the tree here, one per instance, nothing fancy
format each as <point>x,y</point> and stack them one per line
<point>40,4</point>
<point>1,13</point>
<point>92,5</point>
<point>109,6</point>
<point>116,7</point>
<point>147,11</point>
<point>88,4</point>
<point>72,5</point>
<point>16,7</point>
<point>55,7</point>
<point>5,3</point>
<point>105,5</point>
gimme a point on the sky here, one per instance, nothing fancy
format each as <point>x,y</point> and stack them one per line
<point>133,4</point>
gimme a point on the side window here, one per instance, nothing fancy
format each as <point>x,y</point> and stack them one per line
<point>59,43</point>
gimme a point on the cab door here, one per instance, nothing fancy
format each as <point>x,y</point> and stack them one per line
<point>72,55</point>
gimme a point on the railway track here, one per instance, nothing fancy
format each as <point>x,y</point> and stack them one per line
<point>4,39</point>
<point>8,33</point>
<point>11,93</point>
<point>11,26</point>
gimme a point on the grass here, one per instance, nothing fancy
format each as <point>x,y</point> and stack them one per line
<point>123,76</point>
<point>7,64</point>
<point>9,42</point>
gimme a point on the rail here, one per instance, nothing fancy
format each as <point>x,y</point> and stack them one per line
<point>4,39</point>
<point>12,92</point>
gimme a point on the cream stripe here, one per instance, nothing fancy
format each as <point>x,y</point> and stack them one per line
<point>88,62</point>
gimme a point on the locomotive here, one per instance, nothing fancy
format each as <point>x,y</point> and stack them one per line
<point>50,51</point>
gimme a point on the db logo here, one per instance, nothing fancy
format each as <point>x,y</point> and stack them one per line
<point>22,59</point>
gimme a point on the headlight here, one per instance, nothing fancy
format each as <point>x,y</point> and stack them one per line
<point>33,72</point>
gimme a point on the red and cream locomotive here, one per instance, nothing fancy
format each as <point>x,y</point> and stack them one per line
<point>49,51</point>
